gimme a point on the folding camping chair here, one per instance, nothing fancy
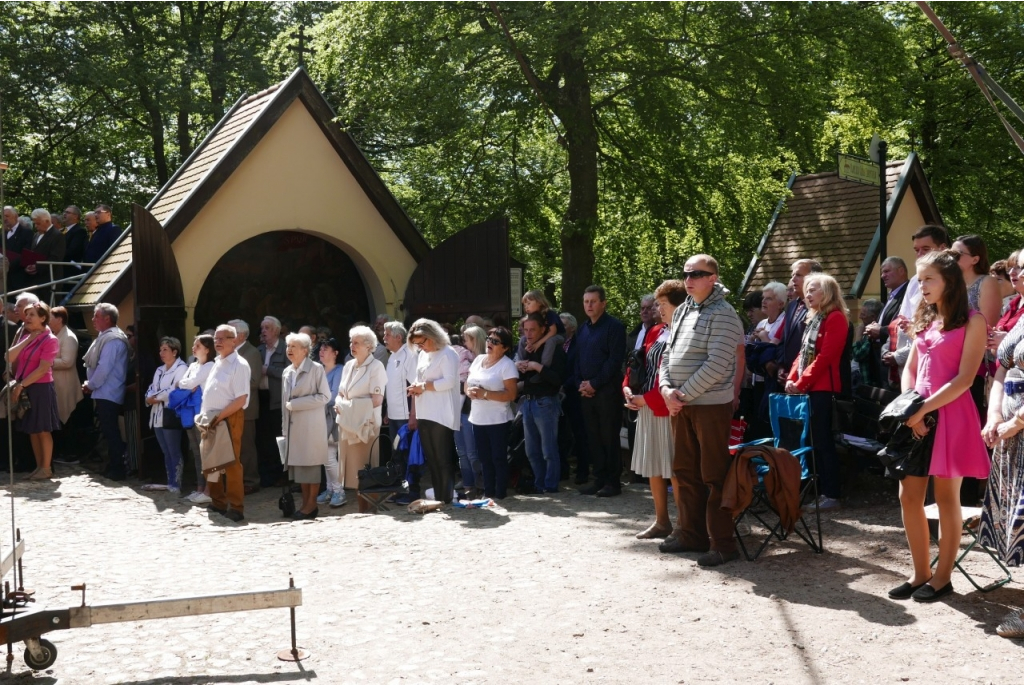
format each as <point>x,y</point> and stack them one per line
<point>970,517</point>
<point>791,430</point>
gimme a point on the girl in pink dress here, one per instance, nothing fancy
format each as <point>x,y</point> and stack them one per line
<point>950,342</point>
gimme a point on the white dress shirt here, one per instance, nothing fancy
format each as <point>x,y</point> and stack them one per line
<point>401,373</point>
<point>228,380</point>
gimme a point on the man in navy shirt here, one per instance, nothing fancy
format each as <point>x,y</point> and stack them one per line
<point>601,343</point>
<point>103,237</point>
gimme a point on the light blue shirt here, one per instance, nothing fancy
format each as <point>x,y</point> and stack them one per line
<point>107,380</point>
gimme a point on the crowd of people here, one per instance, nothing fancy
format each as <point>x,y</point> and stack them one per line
<point>949,328</point>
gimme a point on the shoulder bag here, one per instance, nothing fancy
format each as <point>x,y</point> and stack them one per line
<point>385,477</point>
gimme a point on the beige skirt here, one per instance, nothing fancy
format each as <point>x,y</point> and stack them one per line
<point>353,458</point>
<point>653,445</point>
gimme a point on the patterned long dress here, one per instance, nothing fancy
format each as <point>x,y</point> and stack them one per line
<point>1002,518</point>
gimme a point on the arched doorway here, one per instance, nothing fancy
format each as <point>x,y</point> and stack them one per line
<point>297,277</point>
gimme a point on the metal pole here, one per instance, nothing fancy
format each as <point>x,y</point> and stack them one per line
<point>883,148</point>
<point>6,272</point>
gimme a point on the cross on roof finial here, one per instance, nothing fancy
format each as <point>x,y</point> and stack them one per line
<point>301,48</point>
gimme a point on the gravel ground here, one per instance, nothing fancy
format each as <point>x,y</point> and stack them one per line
<point>550,589</point>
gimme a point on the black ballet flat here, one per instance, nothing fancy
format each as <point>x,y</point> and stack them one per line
<point>300,516</point>
<point>930,594</point>
<point>905,591</point>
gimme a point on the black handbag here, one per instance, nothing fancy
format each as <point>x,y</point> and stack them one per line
<point>383,477</point>
<point>171,420</point>
<point>286,502</point>
<point>636,366</point>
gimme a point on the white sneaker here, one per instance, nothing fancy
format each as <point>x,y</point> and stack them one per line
<point>202,498</point>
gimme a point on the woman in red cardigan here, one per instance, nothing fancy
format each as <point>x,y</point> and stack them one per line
<point>816,373</point>
<point>653,446</point>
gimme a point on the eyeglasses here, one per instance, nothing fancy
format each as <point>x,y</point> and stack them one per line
<point>494,341</point>
<point>696,275</point>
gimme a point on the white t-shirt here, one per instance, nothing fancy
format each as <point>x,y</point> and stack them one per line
<point>774,329</point>
<point>490,412</point>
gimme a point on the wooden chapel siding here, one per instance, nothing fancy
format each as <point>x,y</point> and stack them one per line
<point>159,312</point>
<point>466,274</point>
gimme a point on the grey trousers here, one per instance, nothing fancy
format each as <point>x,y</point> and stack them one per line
<point>250,462</point>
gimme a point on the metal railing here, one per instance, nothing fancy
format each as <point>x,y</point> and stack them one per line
<point>57,295</point>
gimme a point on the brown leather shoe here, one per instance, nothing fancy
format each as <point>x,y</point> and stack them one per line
<point>673,545</point>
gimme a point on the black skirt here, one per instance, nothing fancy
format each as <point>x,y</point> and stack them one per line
<point>43,417</point>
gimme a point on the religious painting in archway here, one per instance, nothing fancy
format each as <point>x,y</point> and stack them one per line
<point>299,278</point>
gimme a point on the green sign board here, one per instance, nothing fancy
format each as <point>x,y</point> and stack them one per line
<point>859,170</point>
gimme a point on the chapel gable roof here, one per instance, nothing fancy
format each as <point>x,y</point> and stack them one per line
<point>222,151</point>
<point>836,222</point>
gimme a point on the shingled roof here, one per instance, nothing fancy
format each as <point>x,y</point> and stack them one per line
<point>835,222</point>
<point>210,165</point>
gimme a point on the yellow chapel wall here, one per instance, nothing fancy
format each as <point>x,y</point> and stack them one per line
<point>295,180</point>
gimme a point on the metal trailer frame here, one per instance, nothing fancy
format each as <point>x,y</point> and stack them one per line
<point>19,624</point>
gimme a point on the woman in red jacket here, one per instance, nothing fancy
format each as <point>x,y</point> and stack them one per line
<point>653,447</point>
<point>816,373</point>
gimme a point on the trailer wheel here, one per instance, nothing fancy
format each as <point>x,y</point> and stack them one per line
<point>49,656</point>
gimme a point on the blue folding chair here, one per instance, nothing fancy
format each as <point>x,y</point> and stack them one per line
<point>791,431</point>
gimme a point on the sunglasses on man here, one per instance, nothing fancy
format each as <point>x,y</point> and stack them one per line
<point>697,274</point>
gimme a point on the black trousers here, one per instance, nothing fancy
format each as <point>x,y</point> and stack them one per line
<point>107,413</point>
<point>574,415</point>
<point>602,415</point>
<point>825,456</point>
<point>268,429</point>
<point>438,453</point>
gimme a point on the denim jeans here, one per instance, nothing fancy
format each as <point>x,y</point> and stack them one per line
<point>540,425</point>
<point>469,460</point>
<point>170,444</point>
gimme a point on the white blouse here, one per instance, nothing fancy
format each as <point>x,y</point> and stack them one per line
<point>164,380</point>
<point>443,405</point>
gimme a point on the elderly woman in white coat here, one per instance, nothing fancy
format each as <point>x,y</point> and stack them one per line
<point>65,375</point>
<point>66,382</point>
<point>304,394</point>
<point>358,406</point>
<point>437,402</point>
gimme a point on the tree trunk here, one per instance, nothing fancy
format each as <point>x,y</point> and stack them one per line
<point>579,223</point>
<point>156,132</point>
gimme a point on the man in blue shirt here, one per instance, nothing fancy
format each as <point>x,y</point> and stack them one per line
<point>106,370</point>
<point>601,342</point>
<point>103,237</point>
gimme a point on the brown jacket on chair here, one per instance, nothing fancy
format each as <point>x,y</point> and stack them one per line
<point>781,483</point>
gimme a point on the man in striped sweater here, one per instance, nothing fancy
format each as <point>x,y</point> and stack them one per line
<point>698,370</point>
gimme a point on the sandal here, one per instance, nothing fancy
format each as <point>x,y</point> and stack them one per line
<point>654,531</point>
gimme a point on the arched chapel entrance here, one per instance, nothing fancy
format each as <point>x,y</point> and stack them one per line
<point>297,277</point>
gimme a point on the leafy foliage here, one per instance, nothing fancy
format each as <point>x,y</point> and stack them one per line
<point>618,138</point>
